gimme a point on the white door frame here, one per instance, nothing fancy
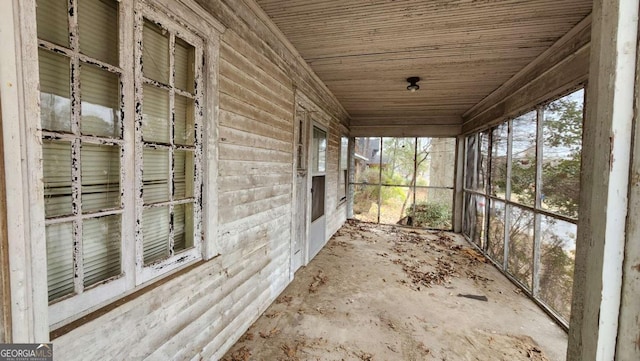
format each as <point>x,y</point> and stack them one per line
<point>315,124</point>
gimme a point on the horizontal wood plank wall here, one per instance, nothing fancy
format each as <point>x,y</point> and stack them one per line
<point>200,314</point>
<point>336,210</point>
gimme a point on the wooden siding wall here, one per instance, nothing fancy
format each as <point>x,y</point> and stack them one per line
<point>204,311</point>
<point>5,301</point>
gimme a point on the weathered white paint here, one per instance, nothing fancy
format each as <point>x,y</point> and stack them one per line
<point>299,221</point>
<point>21,140</point>
<point>604,182</point>
<point>254,124</point>
<point>628,342</point>
<point>458,192</point>
<point>202,312</point>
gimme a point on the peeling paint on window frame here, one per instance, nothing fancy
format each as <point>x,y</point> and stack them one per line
<point>146,272</point>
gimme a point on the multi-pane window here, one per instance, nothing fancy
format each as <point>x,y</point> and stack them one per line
<point>168,142</point>
<point>80,88</point>
<point>100,165</point>
<point>343,168</point>
<point>529,225</point>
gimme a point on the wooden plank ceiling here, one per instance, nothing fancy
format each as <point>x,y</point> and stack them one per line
<point>461,49</point>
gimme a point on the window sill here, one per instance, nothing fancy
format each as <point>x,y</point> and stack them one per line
<point>135,293</point>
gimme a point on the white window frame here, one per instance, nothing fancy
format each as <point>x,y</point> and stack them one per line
<point>343,187</point>
<point>32,316</point>
<point>144,12</point>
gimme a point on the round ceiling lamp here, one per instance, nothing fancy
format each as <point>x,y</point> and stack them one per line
<point>413,83</point>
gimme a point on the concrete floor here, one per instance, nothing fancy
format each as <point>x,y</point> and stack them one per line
<point>380,292</point>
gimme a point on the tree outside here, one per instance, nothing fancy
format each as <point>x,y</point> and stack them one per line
<point>399,174</point>
<point>559,194</point>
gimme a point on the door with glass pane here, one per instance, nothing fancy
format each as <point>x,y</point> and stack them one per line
<point>317,230</point>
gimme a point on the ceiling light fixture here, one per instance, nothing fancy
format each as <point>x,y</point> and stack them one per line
<point>413,83</point>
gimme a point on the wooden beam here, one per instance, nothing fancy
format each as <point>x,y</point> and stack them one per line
<point>405,120</point>
<point>604,183</point>
<point>424,130</point>
<point>22,153</point>
<point>562,78</point>
<point>628,347</point>
<point>572,41</point>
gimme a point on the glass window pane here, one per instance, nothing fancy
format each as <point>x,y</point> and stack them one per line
<point>499,160</point>
<point>98,29</point>
<point>395,205</point>
<point>434,208</point>
<point>100,177</point>
<point>521,239</point>
<point>183,174</point>
<point>155,115</point>
<point>317,197</point>
<point>495,234</point>
<point>155,233</point>
<point>480,225</point>
<point>182,227</point>
<point>53,21</point>
<point>342,168</point>
<point>155,52</point>
<point>470,161</point>
<point>60,268</point>
<point>398,155</point>
<point>365,203</point>
<point>469,214</point>
<point>557,258</point>
<point>344,152</point>
<point>562,133</point>
<point>523,159</point>
<point>100,248</point>
<point>367,160</point>
<point>185,65</point>
<point>436,160</point>
<point>55,100</point>
<point>155,175</point>
<point>319,147</point>
<point>184,130</point>
<point>481,175</point>
<point>56,163</point>
<point>100,91</point>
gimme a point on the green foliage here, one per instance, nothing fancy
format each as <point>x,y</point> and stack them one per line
<point>563,124</point>
<point>556,279</point>
<point>431,215</point>
<point>560,173</point>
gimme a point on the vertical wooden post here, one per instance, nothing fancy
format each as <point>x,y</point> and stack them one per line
<point>458,191</point>
<point>22,153</point>
<point>604,181</point>
<point>628,347</point>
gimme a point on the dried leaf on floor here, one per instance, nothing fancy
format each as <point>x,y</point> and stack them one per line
<point>425,350</point>
<point>290,351</point>
<point>272,314</point>
<point>246,337</point>
<point>318,280</point>
<point>285,299</point>
<point>364,356</point>
<point>474,255</point>
<point>242,354</point>
<point>274,331</point>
